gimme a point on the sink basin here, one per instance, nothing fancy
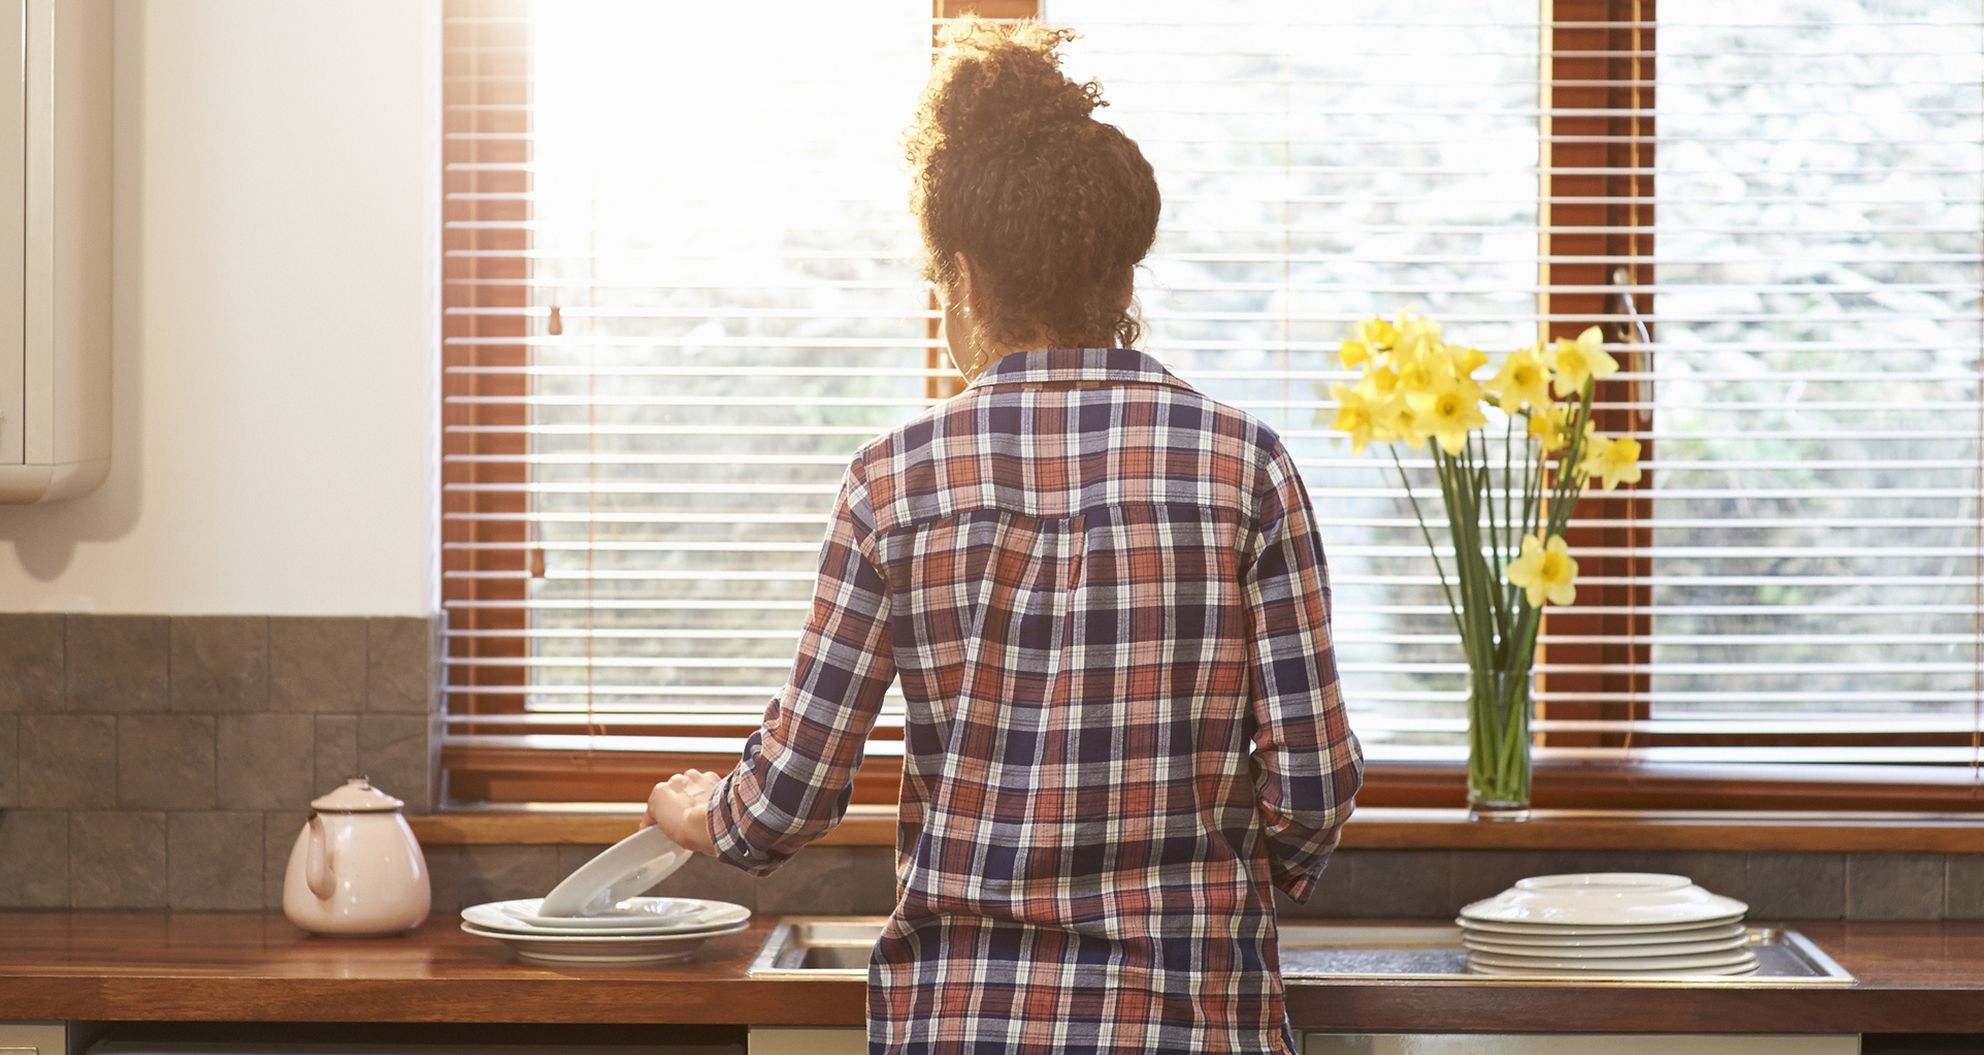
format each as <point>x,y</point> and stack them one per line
<point>819,948</point>
<point>838,948</point>
<point>835,958</point>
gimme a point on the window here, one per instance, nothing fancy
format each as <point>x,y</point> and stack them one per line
<point>1812,386</point>
<point>681,289</point>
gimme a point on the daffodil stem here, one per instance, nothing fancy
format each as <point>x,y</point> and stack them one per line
<point>1463,522</point>
<point>1488,502</point>
<point>1533,511</point>
<point>1427,534</point>
<point>1484,484</point>
<point>1568,482</point>
<point>1512,540</point>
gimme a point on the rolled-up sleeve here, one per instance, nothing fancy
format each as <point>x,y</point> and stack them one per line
<point>793,783</point>
<point>1307,763</point>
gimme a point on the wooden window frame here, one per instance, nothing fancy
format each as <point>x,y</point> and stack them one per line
<point>1598,62</point>
<point>485,556</point>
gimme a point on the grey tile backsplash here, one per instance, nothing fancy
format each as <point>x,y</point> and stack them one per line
<point>155,762</point>
<point>219,664</point>
<point>168,762</point>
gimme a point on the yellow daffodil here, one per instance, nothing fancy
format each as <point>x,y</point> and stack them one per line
<point>1465,361</point>
<point>1376,333</point>
<point>1551,427</point>
<point>1402,424</point>
<point>1355,354</point>
<point>1523,381</point>
<point>1417,339</point>
<point>1353,416</point>
<point>1416,375</point>
<point>1380,383</point>
<point>1575,362</point>
<point>1544,572</point>
<point>1448,410</point>
<point>1613,462</point>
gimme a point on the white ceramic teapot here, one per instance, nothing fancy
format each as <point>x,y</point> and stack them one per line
<point>356,867</point>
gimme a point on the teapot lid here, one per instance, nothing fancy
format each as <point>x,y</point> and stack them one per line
<point>356,796</point>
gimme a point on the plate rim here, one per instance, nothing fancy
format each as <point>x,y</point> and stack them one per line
<point>1492,971</point>
<point>1723,905</point>
<point>700,935</point>
<point>1591,929</point>
<point>1577,882</point>
<point>626,959</point>
<point>1629,952</point>
<point>1737,956</point>
<point>512,925</point>
<point>1663,937</point>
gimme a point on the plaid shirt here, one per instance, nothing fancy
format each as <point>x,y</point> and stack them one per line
<point>1106,599</point>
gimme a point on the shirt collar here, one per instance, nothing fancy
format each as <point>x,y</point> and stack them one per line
<point>1119,365</point>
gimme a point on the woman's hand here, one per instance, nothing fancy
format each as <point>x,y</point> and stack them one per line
<point>680,807</point>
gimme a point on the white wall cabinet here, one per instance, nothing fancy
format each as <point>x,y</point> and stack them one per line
<point>55,202</point>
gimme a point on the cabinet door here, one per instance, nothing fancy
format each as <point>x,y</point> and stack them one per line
<point>13,230</point>
<point>784,1040</point>
<point>33,1040</point>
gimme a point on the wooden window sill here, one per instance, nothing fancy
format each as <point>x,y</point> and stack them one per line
<point>1372,828</point>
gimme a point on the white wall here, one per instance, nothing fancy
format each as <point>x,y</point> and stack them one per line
<point>275,316</point>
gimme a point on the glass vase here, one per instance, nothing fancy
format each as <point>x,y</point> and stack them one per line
<point>1498,741</point>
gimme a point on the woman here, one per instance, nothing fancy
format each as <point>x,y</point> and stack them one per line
<point>1105,598</point>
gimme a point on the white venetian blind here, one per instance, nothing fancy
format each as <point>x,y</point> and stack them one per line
<point>1812,393</point>
<point>683,288</point>
<point>722,233</point>
<point>1319,166</point>
<point>718,300</point>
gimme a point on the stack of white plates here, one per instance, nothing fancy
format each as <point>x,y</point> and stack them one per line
<point>638,930</point>
<point>595,916</point>
<point>1607,923</point>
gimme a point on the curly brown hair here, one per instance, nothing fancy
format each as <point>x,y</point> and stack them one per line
<point>1051,207</point>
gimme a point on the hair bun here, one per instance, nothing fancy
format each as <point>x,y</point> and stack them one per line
<point>1012,175</point>
<point>1003,85</point>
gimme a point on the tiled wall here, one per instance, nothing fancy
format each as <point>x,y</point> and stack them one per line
<point>1436,883</point>
<point>1428,884</point>
<point>154,762</point>
<point>151,761</point>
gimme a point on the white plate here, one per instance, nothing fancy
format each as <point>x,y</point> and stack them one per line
<point>1556,940</point>
<point>1527,972</point>
<point>633,912</point>
<point>1648,963</point>
<point>1608,952</point>
<point>628,868</point>
<point>1552,930</point>
<point>701,916</point>
<point>601,949</point>
<point>1605,899</point>
<point>1604,882</point>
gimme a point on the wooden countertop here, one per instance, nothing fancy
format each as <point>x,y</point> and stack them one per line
<point>122,966</point>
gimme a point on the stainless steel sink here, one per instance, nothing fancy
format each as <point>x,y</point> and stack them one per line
<point>837,948</point>
<point>819,948</point>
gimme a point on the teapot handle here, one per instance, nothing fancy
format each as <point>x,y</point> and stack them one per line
<point>318,866</point>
